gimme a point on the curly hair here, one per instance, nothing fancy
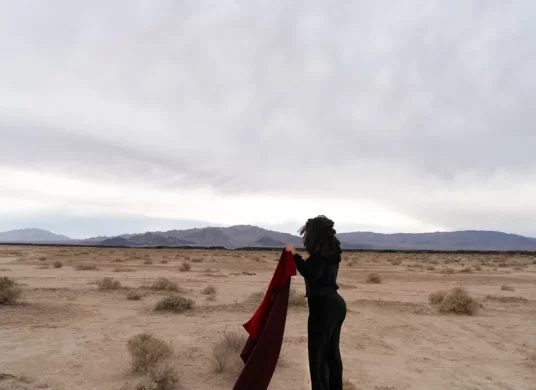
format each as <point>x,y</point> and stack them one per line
<point>319,237</point>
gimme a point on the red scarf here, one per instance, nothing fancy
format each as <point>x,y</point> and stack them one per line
<point>266,329</point>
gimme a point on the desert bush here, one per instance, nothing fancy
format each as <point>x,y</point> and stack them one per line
<point>10,291</point>
<point>163,377</point>
<point>437,297</point>
<point>108,283</point>
<point>506,287</point>
<point>466,270</point>
<point>86,267</point>
<point>58,264</point>
<point>296,300</point>
<point>374,278</point>
<point>147,351</point>
<point>164,284</point>
<point>124,270</point>
<point>518,268</point>
<point>163,261</point>
<point>396,262</point>
<point>185,267</point>
<point>348,385</point>
<point>118,260</point>
<point>175,303</point>
<point>210,289</point>
<point>197,260</point>
<point>458,301</point>
<point>506,299</point>
<point>430,268</point>
<point>226,352</point>
<point>478,267</point>
<point>502,264</point>
<point>148,261</point>
<point>447,271</point>
<point>133,295</point>
<point>42,258</point>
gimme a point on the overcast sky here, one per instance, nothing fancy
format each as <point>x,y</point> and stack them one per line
<point>125,116</point>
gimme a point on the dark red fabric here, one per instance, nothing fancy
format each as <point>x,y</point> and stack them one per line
<point>266,329</point>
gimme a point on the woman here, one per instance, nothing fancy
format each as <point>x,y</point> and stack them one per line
<point>327,309</point>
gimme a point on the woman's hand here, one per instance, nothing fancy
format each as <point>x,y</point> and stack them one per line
<point>291,249</point>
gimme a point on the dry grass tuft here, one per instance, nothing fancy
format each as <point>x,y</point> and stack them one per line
<point>296,300</point>
<point>396,262</point>
<point>374,278</point>
<point>133,295</point>
<point>448,271</point>
<point>147,351</point>
<point>42,258</point>
<point>108,283</point>
<point>458,301</point>
<point>210,290</point>
<point>185,267</point>
<point>197,260</point>
<point>348,385</point>
<point>10,291</point>
<point>226,352</point>
<point>148,262</point>
<point>466,270</point>
<point>164,284</point>
<point>437,297</point>
<point>431,268</point>
<point>86,267</point>
<point>175,304</point>
<point>124,270</point>
<point>58,264</point>
<point>503,264</point>
<point>478,267</point>
<point>506,287</point>
<point>163,261</point>
<point>163,377</point>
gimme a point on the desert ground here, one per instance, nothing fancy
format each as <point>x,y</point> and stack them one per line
<point>70,327</point>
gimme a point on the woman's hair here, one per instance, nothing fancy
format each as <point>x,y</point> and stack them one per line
<point>319,238</point>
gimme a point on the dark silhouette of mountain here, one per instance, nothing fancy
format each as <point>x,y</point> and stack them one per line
<point>31,235</point>
<point>267,242</point>
<point>117,241</point>
<point>459,240</point>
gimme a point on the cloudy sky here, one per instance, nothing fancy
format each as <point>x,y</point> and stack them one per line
<point>125,116</point>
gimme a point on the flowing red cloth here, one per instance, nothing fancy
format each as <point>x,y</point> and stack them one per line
<point>266,329</point>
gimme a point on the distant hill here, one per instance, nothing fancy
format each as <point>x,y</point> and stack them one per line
<point>444,241</point>
<point>31,235</point>
<point>247,236</point>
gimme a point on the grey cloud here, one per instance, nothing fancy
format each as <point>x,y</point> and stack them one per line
<point>387,101</point>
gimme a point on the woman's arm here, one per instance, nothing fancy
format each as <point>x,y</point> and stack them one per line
<point>312,268</point>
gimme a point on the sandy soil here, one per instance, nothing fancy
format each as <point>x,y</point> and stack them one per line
<point>68,335</point>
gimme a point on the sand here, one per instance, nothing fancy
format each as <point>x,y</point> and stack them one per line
<point>68,335</point>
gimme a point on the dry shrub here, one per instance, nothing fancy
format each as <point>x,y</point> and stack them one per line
<point>506,299</point>
<point>518,268</point>
<point>478,267</point>
<point>458,301</point>
<point>175,303</point>
<point>447,271</point>
<point>466,270</point>
<point>10,291</point>
<point>502,264</point>
<point>430,268</point>
<point>42,258</point>
<point>296,300</point>
<point>396,262</point>
<point>210,290</point>
<point>133,295</point>
<point>348,385</point>
<point>108,283</point>
<point>185,267</point>
<point>164,284</point>
<point>374,278</point>
<point>124,270</point>
<point>148,262</point>
<point>506,287</point>
<point>226,352</point>
<point>58,264</point>
<point>531,361</point>
<point>118,260</point>
<point>197,260</point>
<point>255,298</point>
<point>437,297</point>
<point>163,377</point>
<point>163,261</point>
<point>86,267</point>
<point>147,351</point>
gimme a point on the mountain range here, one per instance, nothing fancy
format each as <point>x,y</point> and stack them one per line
<point>241,236</point>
